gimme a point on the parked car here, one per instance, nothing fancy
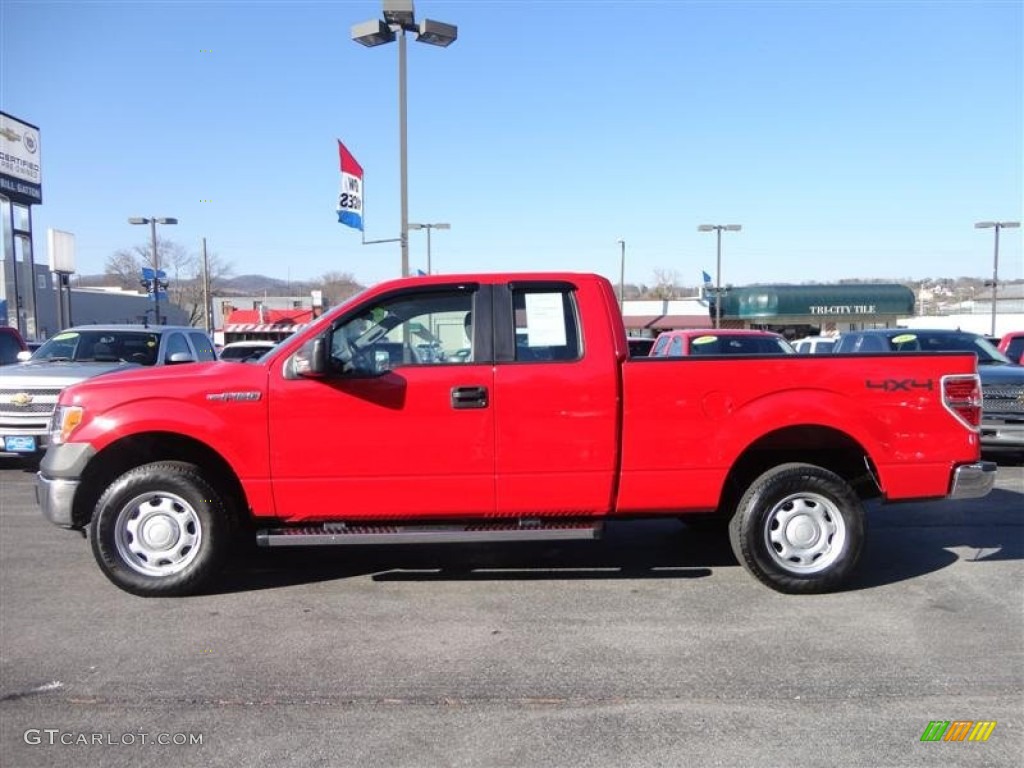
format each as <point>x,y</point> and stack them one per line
<point>720,341</point>
<point>11,344</point>
<point>29,389</point>
<point>640,346</point>
<point>1002,382</point>
<point>243,351</point>
<point>814,345</point>
<point>1012,345</point>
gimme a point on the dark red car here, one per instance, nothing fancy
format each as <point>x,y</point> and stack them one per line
<point>11,343</point>
<point>1012,345</point>
<point>720,341</point>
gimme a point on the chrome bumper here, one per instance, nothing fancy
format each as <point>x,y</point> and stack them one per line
<point>55,497</point>
<point>972,481</point>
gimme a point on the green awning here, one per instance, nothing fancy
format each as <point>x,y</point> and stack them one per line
<point>827,302</point>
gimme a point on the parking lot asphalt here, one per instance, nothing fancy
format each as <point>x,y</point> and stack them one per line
<point>650,647</point>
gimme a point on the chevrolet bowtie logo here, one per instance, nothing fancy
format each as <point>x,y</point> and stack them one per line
<point>22,399</point>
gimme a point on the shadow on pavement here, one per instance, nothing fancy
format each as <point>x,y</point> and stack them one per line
<point>909,540</point>
<point>659,549</point>
<point>904,542</point>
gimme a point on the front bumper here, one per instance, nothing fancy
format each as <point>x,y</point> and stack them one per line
<point>56,498</point>
<point>972,481</point>
<point>1002,435</point>
<point>57,481</point>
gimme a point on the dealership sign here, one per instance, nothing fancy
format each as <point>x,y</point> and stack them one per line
<point>21,177</point>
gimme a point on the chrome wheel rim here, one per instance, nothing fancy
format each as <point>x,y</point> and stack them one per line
<point>158,534</point>
<point>804,533</point>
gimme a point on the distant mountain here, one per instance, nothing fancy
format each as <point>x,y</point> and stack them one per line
<point>251,285</point>
<point>243,285</point>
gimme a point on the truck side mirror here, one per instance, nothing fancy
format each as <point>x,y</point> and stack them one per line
<point>24,355</point>
<point>310,360</point>
<point>180,357</point>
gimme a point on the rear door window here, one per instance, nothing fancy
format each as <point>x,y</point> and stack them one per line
<point>546,324</point>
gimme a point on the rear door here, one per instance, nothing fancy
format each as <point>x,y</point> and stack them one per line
<point>404,425</point>
<point>555,404</point>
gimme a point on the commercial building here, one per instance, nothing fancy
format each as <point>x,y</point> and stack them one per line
<point>793,310</point>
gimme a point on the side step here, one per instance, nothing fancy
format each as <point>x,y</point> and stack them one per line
<point>334,534</point>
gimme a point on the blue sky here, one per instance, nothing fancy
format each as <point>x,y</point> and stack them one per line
<point>849,139</point>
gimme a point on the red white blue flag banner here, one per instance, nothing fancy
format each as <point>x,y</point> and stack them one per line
<point>350,199</point>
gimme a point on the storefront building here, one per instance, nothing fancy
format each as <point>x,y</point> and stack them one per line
<point>792,310</point>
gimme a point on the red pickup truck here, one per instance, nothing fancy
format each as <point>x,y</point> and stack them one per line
<point>500,408</point>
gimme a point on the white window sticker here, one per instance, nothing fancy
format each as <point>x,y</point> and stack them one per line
<point>545,320</point>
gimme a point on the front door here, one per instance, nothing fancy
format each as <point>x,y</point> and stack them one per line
<point>403,425</point>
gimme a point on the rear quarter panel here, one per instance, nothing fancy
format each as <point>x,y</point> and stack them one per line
<point>687,421</point>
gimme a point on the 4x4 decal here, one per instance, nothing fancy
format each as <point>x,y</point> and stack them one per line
<point>900,385</point>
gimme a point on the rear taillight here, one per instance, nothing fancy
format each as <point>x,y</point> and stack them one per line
<point>961,395</point>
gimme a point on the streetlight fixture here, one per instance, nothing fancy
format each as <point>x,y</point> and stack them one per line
<point>718,229</point>
<point>622,275</point>
<point>399,18</point>
<point>153,221</point>
<point>429,227</point>
<point>996,225</point>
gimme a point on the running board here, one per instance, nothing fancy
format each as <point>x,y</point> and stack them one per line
<point>334,534</point>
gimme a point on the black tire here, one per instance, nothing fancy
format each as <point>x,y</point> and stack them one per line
<point>160,530</point>
<point>799,529</point>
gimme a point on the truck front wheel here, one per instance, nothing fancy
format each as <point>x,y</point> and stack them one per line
<point>799,529</point>
<point>160,530</point>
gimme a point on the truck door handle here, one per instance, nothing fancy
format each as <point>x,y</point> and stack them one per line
<point>469,397</point>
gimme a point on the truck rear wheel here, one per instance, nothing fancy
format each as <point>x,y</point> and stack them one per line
<point>799,529</point>
<point>160,530</point>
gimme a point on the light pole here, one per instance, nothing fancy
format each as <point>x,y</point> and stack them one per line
<point>429,227</point>
<point>996,225</point>
<point>153,221</point>
<point>399,18</point>
<point>622,275</point>
<point>718,228</point>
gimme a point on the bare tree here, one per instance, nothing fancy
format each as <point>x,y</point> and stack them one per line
<point>338,286</point>
<point>124,269</point>
<point>666,284</point>
<point>184,273</point>
<point>186,283</point>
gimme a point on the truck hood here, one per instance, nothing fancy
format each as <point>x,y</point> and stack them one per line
<point>187,381</point>
<point>56,374</point>
<point>1001,374</point>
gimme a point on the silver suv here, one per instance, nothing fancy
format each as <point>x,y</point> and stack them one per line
<point>29,390</point>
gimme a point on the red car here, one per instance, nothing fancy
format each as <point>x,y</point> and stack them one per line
<point>1012,345</point>
<point>11,343</point>
<point>720,341</point>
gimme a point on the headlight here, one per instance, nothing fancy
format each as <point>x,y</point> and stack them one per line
<point>64,421</point>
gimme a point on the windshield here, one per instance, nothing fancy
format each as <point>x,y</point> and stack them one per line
<point>949,342</point>
<point>108,346</point>
<point>724,344</point>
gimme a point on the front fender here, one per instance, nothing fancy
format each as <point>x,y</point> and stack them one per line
<point>237,430</point>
